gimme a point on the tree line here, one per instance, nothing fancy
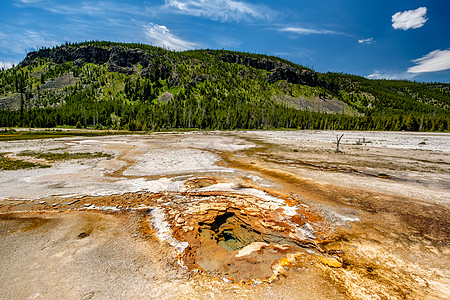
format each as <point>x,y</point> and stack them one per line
<point>203,92</point>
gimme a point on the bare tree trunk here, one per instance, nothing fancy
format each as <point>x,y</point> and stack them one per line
<point>189,125</point>
<point>338,140</point>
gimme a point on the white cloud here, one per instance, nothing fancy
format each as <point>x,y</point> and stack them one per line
<point>302,54</point>
<point>219,10</point>
<point>160,35</point>
<point>25,2</point>
<point>437,60</point>
<point>25,41</point>
<point>367,41</point>
<point>7,64</point>
<point>410,19</point>
<point>305,31</point>
<point>227,42</point>
<point>390,75</point>
<point>87,8</point>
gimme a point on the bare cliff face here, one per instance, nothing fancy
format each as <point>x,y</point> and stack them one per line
<point>278,69</point>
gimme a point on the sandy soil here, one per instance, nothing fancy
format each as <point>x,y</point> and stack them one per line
<point>232,215</point>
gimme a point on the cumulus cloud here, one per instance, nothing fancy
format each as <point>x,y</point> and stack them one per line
<point>306,31</point>
<point>437,60</point>
<point>367,41</point>
<point>219,10</point>
<point>160,35</point>
<point>410,19</point>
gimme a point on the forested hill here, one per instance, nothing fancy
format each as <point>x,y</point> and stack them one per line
<point>141,87</point>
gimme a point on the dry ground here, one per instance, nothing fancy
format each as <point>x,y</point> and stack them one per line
<point>270,214</point>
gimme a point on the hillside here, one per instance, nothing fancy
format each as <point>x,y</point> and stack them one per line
<point>140,87</point>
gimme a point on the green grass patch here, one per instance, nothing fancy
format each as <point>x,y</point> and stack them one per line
<point>383,176</point>
<point>63,155</point>
<point>7,163</point>
<point>16,135</point>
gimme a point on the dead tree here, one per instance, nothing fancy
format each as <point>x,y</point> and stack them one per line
<point>338,140</point>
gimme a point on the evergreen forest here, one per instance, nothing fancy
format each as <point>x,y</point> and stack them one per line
<point>137,87</point>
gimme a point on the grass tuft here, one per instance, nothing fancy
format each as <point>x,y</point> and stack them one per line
<point>64,155</point>
<point>7,164</point>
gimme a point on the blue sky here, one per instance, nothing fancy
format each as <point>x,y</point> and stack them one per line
<point>394,39</point>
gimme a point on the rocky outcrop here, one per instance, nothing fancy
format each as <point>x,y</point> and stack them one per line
<point>278,70</point>
<point>165,97</point>
<point>119,59</point>
<point>257,63</point>
<point>63,54</point>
